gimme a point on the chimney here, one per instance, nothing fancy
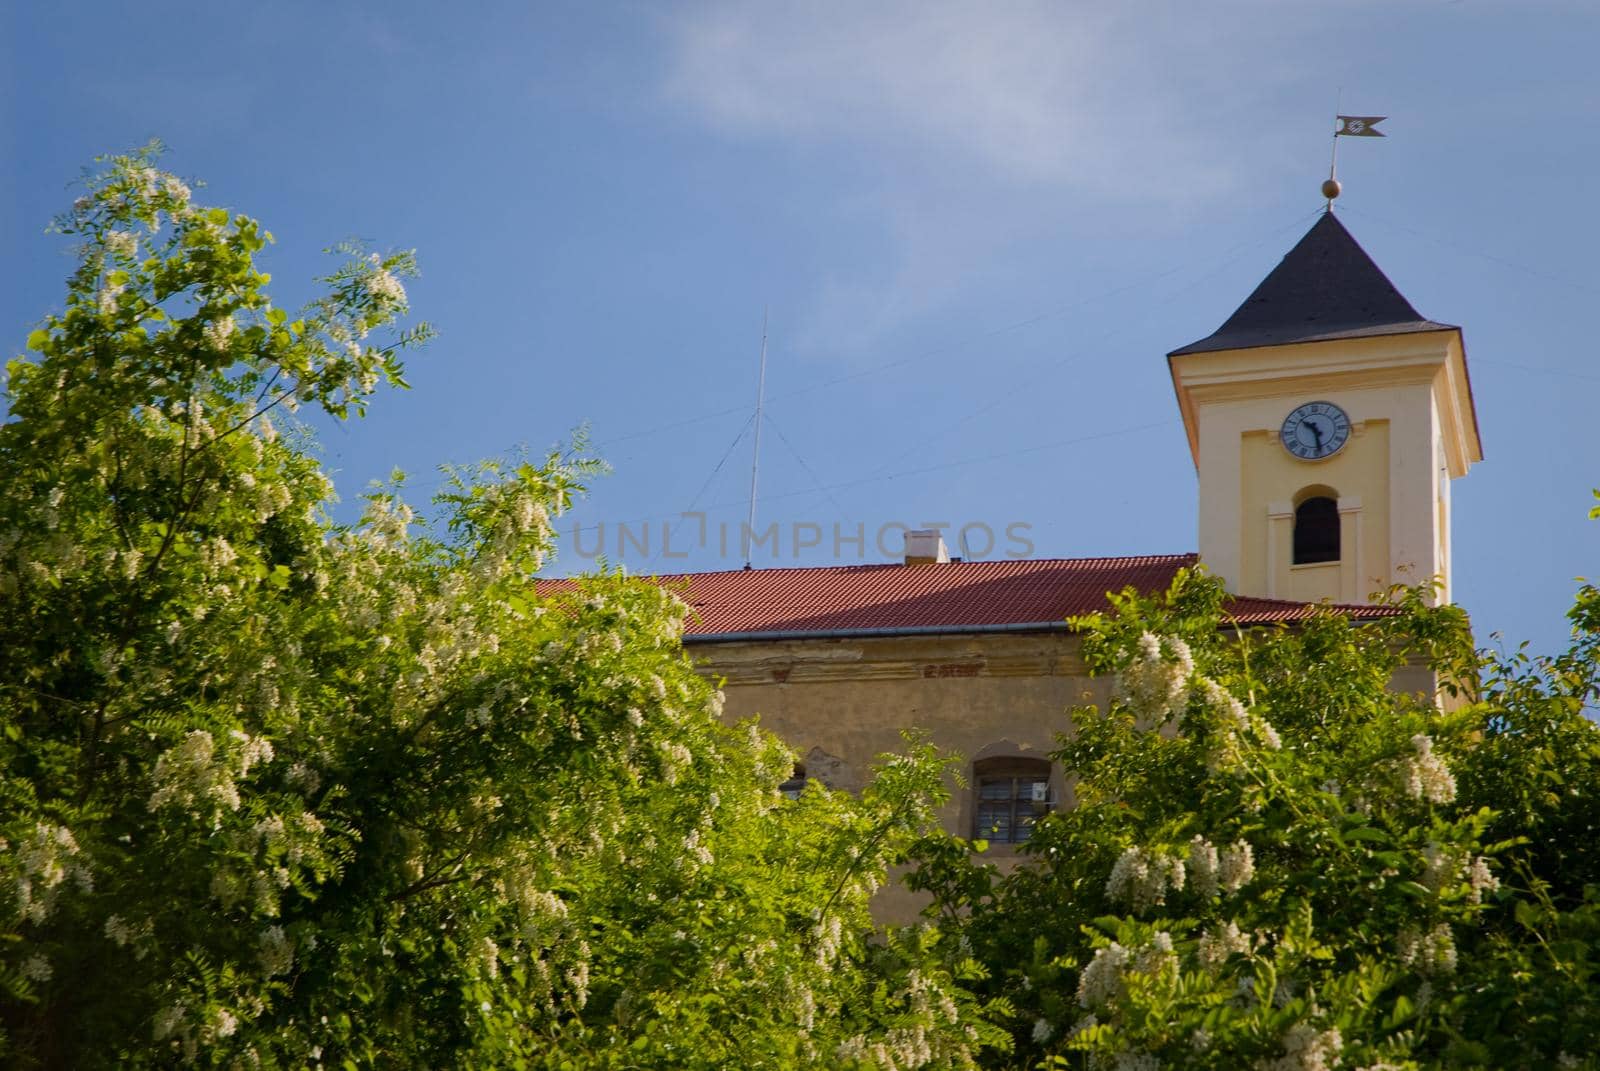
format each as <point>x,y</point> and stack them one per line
<point>926,547</point>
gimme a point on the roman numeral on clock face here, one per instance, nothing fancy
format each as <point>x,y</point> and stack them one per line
<point>1315,430</point>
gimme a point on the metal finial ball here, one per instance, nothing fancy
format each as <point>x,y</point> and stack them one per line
<point>1331,188</point>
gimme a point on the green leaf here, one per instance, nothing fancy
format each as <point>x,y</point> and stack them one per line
<point>1367,833</point>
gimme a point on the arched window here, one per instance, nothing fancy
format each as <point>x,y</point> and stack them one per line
<point>1316,531</point>
<point>1011,794</point>
<point>796,784</point>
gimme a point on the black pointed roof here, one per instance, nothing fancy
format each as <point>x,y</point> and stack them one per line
<point>1325,288</point>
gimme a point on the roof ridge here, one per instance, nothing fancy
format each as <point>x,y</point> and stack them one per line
<point>871,566</point>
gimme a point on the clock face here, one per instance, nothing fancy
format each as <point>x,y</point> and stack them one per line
<point>1315,430</point>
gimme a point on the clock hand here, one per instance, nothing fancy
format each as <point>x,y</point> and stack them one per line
<point>1315,434</point>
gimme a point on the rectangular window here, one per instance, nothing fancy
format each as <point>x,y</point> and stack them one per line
<point>1009,804</point>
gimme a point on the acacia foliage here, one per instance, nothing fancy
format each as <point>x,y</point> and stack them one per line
<point>280,791</point>
<point>1280,858</point>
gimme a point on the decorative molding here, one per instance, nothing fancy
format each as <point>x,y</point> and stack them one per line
<point>941,661</point>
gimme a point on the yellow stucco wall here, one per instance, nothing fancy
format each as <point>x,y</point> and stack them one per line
<point>1273,482</point>
<point>842,702</point>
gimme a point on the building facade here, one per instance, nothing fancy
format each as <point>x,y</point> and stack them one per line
<point>1326,419</point>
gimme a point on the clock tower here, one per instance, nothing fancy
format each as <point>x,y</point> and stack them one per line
<point>1327,419</point>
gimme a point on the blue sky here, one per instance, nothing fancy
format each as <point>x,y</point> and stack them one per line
<point>977,229</point>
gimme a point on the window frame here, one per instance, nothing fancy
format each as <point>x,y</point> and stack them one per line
<point>1020,774</point>
<point>1308,545</point>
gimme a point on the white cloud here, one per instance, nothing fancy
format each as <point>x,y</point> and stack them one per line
<point>1111,97</point>
<point>988,123</point>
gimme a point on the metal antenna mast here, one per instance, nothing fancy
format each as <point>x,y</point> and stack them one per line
<point>755,454</point>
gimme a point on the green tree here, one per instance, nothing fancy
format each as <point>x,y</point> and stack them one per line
<point>1279,860</point>
<point>276,791</point>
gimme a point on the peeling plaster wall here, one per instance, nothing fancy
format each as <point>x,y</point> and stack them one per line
<point>841,703</point>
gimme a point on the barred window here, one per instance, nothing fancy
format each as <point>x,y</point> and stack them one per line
<point>1012,794</point>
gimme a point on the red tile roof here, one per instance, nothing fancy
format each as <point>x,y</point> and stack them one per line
<point>1247,610</point>
<point>947,597</point>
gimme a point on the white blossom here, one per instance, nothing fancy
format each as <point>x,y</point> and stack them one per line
<point>1426,775</point>
<point>1042,1031</point>
<point>384,287</point>
<point>1480,880</point>
<point>252,749</point>
<point>47,860</point>
<point>1438,867</point>
<point>1307,1049</point>
<point>218,332</point>
<point>1156,682</point>
<point>119,931</point>
<point>108,298</point>
<point>1269,736</point>
<point>1158,957</point>
<point>674,759</point>
<point>1430,954</point>
<point>1135,1061</point>
<point>1203,866</point>
<point>577,976</point>
<point>828,933</point>
<point>124,934</point>
<point>37,969</point>
<point>168,1021</point>
<point>144,180</point>
<point>489,955</point>
<point>1225,703</point>
<point>1220,942</point>
<point>1142,878</point>
<point>692,845</point>
<point>122,243</point>
<point>304,778</point>
<point>271,831</point>
<point>276,951</point>
<point>1101,981</point>
<point>192,775</point>
<point>52,507</point>
<point>1236,865</point>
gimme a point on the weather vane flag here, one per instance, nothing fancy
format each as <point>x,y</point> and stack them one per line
<point>1349,126</point>
<point>1360,126</point>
